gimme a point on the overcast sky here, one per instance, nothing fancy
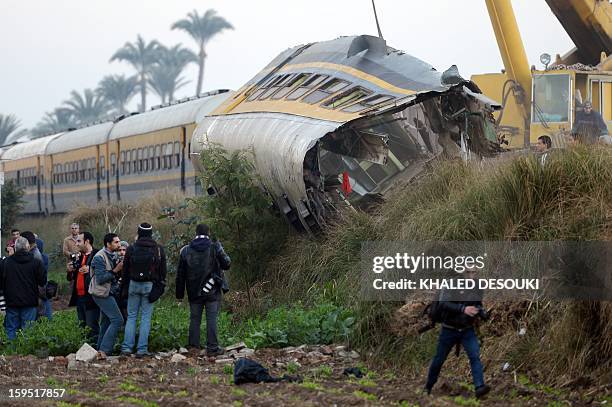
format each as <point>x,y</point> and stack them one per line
<point>50,47</point>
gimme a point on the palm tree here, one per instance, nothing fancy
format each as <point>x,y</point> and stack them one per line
<point>117,90</point>
<point>87,107</point>
<point>202,29</point>
<point>141,56</point>
<point>8,129</point>
<point>165,75</point>
<point>60,119</point>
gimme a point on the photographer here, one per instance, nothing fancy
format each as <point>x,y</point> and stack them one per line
<point>88,312</point>
<point>458,319</point>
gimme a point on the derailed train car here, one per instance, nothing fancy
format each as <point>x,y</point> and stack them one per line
<point>351,109</point>
<point>351,106</point>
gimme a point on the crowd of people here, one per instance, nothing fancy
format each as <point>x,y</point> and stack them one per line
<point>112,286</point>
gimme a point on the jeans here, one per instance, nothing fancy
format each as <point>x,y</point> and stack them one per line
<point>89,318</point>
<point>47,311</point>
<point>18,318</point>
<point>195,319</point>
<point>138,299</point>
<point>449,338</point>
<point>110,323</point>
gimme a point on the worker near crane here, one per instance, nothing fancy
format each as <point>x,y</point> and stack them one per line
<point>589,125</point>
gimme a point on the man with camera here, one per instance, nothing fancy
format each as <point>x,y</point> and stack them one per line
<point>458,318</point>
<point>78,274</point>
<point>200,271</point>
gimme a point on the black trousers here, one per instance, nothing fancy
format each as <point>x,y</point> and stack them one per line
<point>195,320</point>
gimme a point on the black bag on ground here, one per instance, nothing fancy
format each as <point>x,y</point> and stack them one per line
<point>249,371</point>
<point>143,263</point>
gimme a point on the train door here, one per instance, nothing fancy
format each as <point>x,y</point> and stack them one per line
<point>39,180</point>
<point>182,153</point>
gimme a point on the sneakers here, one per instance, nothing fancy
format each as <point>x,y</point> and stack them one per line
<point>482,391</point>
<point>216,352</point>
<point>142,355</point>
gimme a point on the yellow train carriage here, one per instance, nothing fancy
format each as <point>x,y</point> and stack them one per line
<point>27,164</point>
<point>151,151</point>
<point>78,162</point>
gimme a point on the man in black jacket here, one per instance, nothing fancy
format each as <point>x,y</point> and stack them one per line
<point>200,269</point>
<point>20,276</point>
<point>78,274</point>
<point>144,272</point>
<point>458,318</point>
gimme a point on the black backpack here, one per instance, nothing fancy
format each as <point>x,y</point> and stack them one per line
<point>144,262</point>
<point>434,312</point>
<point>204,261</point>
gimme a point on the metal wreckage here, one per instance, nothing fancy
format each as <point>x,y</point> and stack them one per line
<point>347,120</point>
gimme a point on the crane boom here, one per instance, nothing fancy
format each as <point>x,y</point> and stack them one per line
<point>513,54</point>
<point>589,25</point>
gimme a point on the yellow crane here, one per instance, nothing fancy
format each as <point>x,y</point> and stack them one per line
<point>538,102</point>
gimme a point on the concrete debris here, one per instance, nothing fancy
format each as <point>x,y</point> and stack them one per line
<point>224,361</point>
<point>183,350</point>
<point>51,358</point>
<point>348,355</point>
<point>86,353</point>
<point>522,331</point>
<point>177,357</point>
<point>236,347</point>
<point>506,367</point>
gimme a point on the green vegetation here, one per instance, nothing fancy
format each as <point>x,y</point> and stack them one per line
<point>239,212</point>
<point>283,326</point>
<point>12,204</point>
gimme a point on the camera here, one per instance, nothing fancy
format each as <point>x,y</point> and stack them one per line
<point>75,261</point>
<point>482,313</point>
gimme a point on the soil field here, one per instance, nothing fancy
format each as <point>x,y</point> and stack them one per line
<point>198,380</point>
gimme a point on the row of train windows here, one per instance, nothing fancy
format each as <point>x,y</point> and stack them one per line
<point>23,178</point>
<point>315,88</point>
<point>152,158</point>
<point>77,171</point>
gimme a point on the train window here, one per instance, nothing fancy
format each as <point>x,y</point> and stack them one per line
<point>177,154</point>
<point>348,97</point>
<point>310,83</point>
<point>134,162</point>
<point>368,103</point>
<point>139,158</point>
<point>151,158</point>
<point>102,167</point>
<point>113,164</point>
<point>280,83</point>
<point>122,164</point>
<point>292,83</point>
<point>145,159</point>
<point>83,170</point>
<point>328,88</point>
<point>157,157</point>
<point>263,87</point>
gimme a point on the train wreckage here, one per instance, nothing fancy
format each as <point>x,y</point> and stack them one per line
<point>347,117</point>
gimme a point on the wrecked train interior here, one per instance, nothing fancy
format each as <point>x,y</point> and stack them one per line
<point>342,122</point>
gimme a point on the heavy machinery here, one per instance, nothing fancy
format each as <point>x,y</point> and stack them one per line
<point>545,101</point>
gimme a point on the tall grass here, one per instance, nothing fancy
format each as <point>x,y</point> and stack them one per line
<point>570,198</point>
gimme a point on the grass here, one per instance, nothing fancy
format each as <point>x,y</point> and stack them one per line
<point>512,200</point>
<point>366,396</point>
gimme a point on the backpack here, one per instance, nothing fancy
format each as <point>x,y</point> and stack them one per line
<point>144,262</point>
<point>434,312</point>
<point>203,261</point>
